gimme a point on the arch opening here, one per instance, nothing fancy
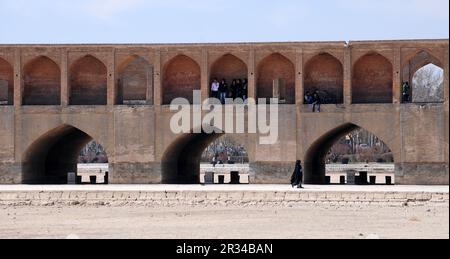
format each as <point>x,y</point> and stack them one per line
<point>50,158</point>
<point>6,83</point>
<point>348,148</point>
<point>135,82</point>
<point>181,77</point>
<point>191,156</point>
<point>372,80</point>
<point>41,82</point>
<point>229,68</point>
<point>425,77</point>
<point>325,74</point>
<point>276,78</point>
<point>88,82</point>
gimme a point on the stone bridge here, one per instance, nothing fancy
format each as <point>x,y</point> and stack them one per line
<point>56,98</point>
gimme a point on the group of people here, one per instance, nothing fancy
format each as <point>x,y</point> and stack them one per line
<point>221,90</point>
<point>313,99</point>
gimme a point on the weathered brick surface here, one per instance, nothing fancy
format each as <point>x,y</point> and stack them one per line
<point>135,81</point>
<point>272,68</point>
<point>372,80</point>
<point>325,73</point>
<point>42,82</point>
<point>181,76</point>
<point>88,82</point>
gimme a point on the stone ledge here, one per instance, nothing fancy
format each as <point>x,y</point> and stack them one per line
<point>173,198</point>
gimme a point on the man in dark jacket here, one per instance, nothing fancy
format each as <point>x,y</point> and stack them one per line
<point>297,176</point>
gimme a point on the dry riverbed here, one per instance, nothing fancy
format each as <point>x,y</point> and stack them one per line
<point>223,222</point>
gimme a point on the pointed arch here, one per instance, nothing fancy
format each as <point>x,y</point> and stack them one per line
<point>54,154</point>
<point>276,68</point>
<point>420,62</point>
<point>88,82</point>
<point>181,76</point>
<point>372,79</point>
<point>324,73</point>
<point>135,81</point>
<point>317,152</point>
<point>6,83</point>
<point>229,67</point>
<point>41,82</point>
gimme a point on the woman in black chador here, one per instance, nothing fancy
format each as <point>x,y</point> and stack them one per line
<point>297,176</point>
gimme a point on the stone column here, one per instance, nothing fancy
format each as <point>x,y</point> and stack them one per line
<point>204,75</point>
<point>112,86</point>
<point>397,80</point>
<point>299,84</point>
<point>18,82</point>
<point>157,86</point>
<point>65,93</point>
<point>252,91</point>
<point>348,76</point>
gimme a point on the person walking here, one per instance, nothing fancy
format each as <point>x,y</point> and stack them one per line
<point>297,176</point>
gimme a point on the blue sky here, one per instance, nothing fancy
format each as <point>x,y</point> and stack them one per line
<point>179,21</point>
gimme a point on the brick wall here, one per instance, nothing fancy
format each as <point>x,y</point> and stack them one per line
<point>276,67</point>
<point>372,80</point>
<point>181,76</point>
<point>325,74</point>
<point>88,82</point>
<point>42,79</point>
<point>134,80</point>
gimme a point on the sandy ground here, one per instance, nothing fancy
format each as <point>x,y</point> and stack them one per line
<point>306,221</point>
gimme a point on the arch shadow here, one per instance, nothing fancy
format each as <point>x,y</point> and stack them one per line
<point>48,159</point>
<point>315,164</point>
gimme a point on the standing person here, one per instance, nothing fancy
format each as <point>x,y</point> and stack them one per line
<point>405,92</point>
<point>297,176</point>
<point>244,89</point>
<point>317,101</point>
<point>232,93</point>
<point>223,90</point>
<point>215,89</point>
<point>238,89</point>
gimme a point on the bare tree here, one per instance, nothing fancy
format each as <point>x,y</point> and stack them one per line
<point>428,84</point>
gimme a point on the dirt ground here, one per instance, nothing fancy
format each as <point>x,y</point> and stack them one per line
<point>306,221</point>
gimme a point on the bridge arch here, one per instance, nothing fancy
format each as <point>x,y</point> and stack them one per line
<point>181,76</point>
<point>54,154</point>
<point>276,67</point>
<point>135,82</point>
<point>228,67</point>
<point>88,82</point>
<point>372,79</point>
<point>6,83</point>
<point>325,73</point>
<point>181,160</point>
<point>316,153</point>
<point>41,82</point>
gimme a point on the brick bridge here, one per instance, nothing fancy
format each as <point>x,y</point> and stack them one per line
<point>56,98</point>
